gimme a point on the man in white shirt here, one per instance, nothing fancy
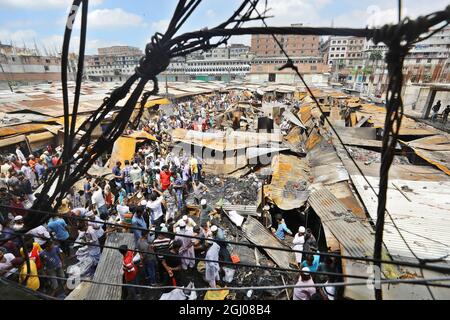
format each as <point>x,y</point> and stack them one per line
<point>188,221</point>
<point>99,201</point>
<point>123,209</point>
<point>40,235</point>
<point>96,224</point>
<point>155,206</point>
<point>6,267</point>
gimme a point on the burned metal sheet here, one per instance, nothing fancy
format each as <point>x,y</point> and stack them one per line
<point>354,235</point>
<point>435,150</point>
<point>289,186</point>
<point>223,141</point>
<point>256,233</point>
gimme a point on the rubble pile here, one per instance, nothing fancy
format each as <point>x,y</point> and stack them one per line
<point>242,191</point>
<point>369,156</point>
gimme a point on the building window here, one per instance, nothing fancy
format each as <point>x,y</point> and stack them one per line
<point>46,68</point>
<point>272,77</point>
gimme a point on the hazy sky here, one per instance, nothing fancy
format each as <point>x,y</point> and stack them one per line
<point>132,22</point>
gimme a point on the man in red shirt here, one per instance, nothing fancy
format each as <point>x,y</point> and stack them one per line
<point>129,271</point>
<point>165,175</point>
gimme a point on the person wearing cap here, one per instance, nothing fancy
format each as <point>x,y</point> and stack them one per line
<point>205,211</point>
<point>29,174</point>
<point>161,244</point>
<point>89,235</point>
<point>47,159</point>
<point>136,174</point>
<point>97,224</point>
<point>307,290</point>
<point>187,248</point>
<point>212,268</point>
<point>18,223</point>
<point>298,242</point>
<point>190,223</point>
<point>217,234</point>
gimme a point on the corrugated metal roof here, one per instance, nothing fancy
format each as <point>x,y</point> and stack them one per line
<point>256,233</point>
<point>424,222</point>
<point>354,235</point>
<point>109,268</point>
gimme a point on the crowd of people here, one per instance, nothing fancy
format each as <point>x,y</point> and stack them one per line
<point>149,196</point>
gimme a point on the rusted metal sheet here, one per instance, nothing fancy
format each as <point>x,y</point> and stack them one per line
<point>289,185</point>
<point>142,135</point>
<point>223,141</point>
<point>109,268</point>
<point>292,118</point>
<point>256,233</point>
<point>435,150</point>
<point>354,235</point>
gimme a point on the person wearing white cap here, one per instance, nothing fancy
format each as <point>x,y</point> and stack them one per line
<point>298,242</point>
<point>305,280</point>
<point>205,212</point>
<point>190,223</point>
<point>18,223</point>
<point>187,247</point>
<point>136,174</point>
<point>96,224</point>
<point>212,268</point>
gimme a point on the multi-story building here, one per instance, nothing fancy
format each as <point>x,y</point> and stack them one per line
<point>218,69</point>
<point>428,61</point>
<point>110,65</point>
<point>266,69</point>
<point>295,45</point>
<point>20,66</point>
<point>238,51</point>
<point>120,51</point>
<point>217,53</point>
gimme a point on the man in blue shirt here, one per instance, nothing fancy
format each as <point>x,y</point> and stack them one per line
<point>138,222</point>
<point>59,227</point>
<point>282,229</point>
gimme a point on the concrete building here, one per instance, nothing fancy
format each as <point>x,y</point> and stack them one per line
<point>266,69</point>
<point>218,69</point>
<point>112,64</point>
<point>239,51</point>
<point>120,51</point>
<point>22,66</point>
<point>295,45</point>
<point>428,61</point>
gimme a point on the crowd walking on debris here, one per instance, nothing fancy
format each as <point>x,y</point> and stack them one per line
<point>151,196</point>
